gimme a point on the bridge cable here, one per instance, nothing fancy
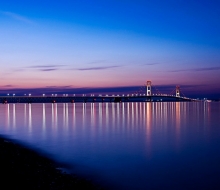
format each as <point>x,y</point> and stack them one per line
<point>157,91</point>
<point>172,92</point>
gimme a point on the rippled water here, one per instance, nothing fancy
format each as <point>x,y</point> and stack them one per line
<point>154,145</point>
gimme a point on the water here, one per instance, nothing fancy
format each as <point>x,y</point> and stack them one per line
<point>125,145</point>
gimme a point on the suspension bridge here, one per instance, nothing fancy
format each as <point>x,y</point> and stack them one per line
<point>144,94</point>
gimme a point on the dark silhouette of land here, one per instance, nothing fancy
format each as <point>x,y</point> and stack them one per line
<point>22,168</point>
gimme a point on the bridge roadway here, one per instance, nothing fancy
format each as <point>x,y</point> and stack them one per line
<point>94,98</point>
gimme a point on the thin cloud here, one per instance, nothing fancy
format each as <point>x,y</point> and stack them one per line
<point>60,67</point>
<point>58,87</point>
<point>7,86</point>
<point>150,64</point>
<point>17,17</point>
<point>48,69</point>
<point>45,66</point>
<point>197,69</point>
<point>97,68</point>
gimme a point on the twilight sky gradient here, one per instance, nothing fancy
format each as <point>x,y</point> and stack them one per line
<point>110,45</point>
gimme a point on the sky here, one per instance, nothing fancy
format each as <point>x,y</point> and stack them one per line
<point>82,46</point>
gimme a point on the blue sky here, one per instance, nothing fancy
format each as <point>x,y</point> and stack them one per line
<point>107,44</point>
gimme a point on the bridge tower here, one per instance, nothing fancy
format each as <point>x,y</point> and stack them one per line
<point>148,88</point>
<point>177,91</point>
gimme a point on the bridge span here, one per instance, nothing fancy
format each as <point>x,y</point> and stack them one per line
<point>99,98</point>
<point>147,96</point>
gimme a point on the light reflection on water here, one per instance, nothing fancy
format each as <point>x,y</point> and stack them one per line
<point>128,145</point>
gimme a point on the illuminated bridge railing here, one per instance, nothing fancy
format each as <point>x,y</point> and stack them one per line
<point>91,98</point>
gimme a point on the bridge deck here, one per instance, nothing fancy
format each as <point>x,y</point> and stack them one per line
<point>60,99</point>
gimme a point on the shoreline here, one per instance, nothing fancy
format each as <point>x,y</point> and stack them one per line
<point>26,168</point>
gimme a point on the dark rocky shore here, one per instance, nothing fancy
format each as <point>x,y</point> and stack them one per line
<point>24,168</point>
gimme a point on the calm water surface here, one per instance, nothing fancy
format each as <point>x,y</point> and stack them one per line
<point>125,145</point>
